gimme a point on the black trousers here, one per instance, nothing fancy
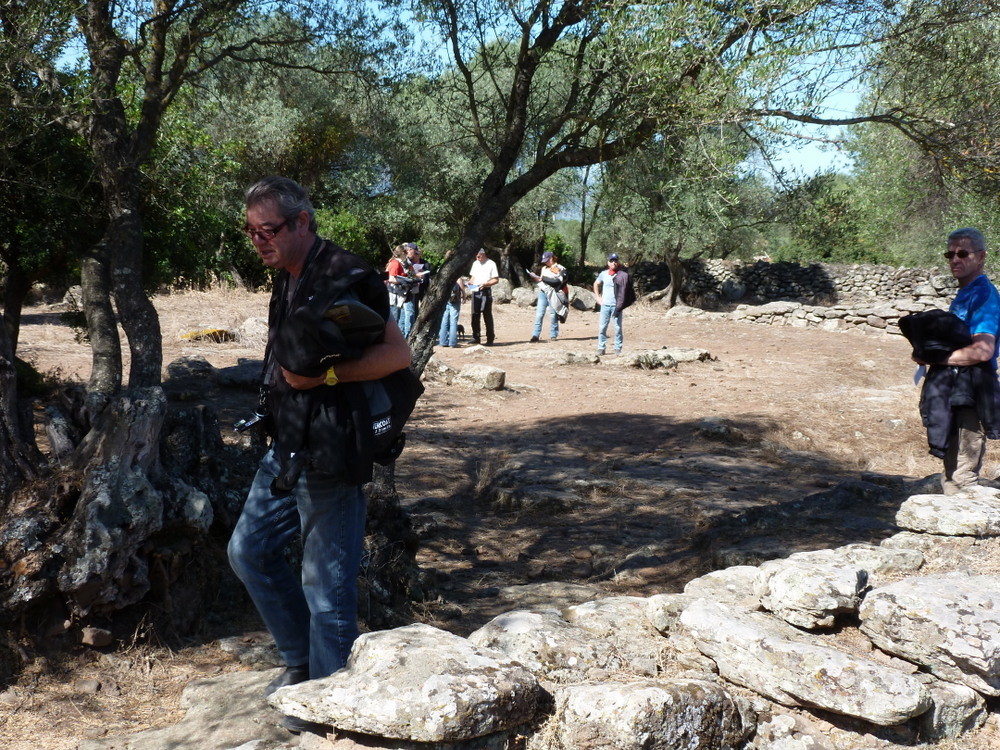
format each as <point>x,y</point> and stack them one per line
<point>482,304</point>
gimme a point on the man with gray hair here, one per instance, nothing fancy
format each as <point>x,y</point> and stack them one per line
<point>310,480</point>
<point>966,379</point>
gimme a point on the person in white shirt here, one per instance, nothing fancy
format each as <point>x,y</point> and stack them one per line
<point>482,276</point>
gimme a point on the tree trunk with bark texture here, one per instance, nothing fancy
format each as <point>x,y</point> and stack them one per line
<point>676,267</point>
<point>19,458</point>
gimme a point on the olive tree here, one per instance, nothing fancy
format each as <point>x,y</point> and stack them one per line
<point>539,86</point>
<point>108,72</point>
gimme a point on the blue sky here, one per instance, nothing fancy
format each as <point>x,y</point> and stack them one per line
<point>805,158</point>
<point>811,157</point>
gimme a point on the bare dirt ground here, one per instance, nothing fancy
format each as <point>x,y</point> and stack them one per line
<point>657,496</point>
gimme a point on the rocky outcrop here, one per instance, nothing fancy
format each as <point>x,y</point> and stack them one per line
<point>689,659</point>
<point>899,639</point>
<point>482,377</point>
<point>947,624</point>
<point>421,684</point>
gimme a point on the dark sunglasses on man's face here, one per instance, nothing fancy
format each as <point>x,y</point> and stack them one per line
<point>960,253</point>
<point>264,233</point>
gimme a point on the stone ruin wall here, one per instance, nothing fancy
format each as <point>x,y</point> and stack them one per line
<point>825,295</point>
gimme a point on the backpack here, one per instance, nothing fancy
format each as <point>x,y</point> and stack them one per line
<point>630,296</point>
<point>390,402</point>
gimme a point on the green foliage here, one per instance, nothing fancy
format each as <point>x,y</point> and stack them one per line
<point>192,209</point>
<point>49,206</point>
<point>555,244</point>
<point>912,185</point>
<point>673,196</point>
<point>349,231</point>
<point>823,222</point>
<point>432,255</point>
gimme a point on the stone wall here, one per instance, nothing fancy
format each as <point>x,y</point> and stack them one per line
<point>714,283</point>
<point>822,295</point>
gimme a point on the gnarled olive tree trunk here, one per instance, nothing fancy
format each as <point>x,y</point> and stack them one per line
<point>19,459</point>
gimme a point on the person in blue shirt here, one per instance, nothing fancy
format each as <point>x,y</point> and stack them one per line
<point>978,304</point>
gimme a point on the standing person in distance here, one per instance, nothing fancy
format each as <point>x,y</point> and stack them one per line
<point>420,273</point>
<point>550,296</point>
<point>311,614</point>
<point>399,280</point>
<point>614,290</point>
<point>482,277</point>
<point>448,332</point>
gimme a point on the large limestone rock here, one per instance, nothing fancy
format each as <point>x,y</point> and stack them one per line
<point>880,563</point>
<point>778,661</point>
<point>809,589</point>
<point>484,377</point>
<point>623,621</point>
<point>652,715</point>
<point>664,611</point>
<point>417,683</point>
<point>613,616</point>
<point>809,594</point>
<point>550,647</point>
<point>733,585</point>
<point>972,512</point>
<point>949,624</point>
<point>647,359</point>
<point>582,298</point>
<point>503,292</point>
<point>957,709</point>
<point>524,296</point>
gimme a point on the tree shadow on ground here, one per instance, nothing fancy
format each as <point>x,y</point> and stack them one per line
<point>628,504</point>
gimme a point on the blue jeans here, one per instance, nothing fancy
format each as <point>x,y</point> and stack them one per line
<point>448,333</point>
<point>543,302</point>
<point>609,313</point>
<point>396,313</point>
<point>312,617</point>
<point>408,315</point>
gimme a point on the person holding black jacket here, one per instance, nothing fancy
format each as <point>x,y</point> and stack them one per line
<point>969,373</point>
<point>614,291</point>
<point>312,615</point>
<point>551,296</point>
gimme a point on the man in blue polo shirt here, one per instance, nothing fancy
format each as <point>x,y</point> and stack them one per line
<point>978,304</point>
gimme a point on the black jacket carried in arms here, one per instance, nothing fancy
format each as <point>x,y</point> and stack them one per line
<point>325,428</point>
<point>934,334</point>
<point>945,387</point>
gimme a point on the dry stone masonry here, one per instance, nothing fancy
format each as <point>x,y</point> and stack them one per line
<point>714,282</point>
<point>832,297</point>
<point>901,639</point>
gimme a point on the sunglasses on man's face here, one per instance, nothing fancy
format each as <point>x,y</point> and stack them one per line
<point>960,253</point>
<point>264,233</point>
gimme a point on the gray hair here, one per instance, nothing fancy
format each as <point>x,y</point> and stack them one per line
<point>972,234</point>
<point>290,197</point>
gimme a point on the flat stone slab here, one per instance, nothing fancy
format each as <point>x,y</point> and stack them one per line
<point>648,714</point>
<point>949,624</point>
<point>774,659</point>
<point>418,683</point>
<point>225,711</point>
<point>972,512</point>
<point>550,647</point>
